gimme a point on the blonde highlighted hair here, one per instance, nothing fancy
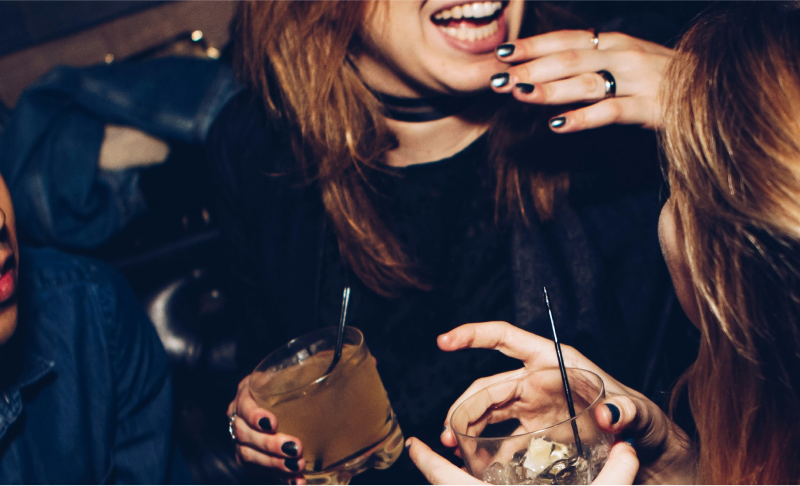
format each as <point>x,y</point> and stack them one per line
<point>732,139</point>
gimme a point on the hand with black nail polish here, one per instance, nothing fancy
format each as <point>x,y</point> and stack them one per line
<point>259,444</point>
<point>610,77</point>
<point>665,453</point>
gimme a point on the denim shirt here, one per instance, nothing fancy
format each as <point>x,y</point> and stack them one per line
<point>50,146</point>
<point>85,383</point>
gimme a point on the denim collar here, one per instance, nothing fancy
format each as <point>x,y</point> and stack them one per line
<point>34,368</point>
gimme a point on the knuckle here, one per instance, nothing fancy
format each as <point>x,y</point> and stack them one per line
<point>577,120</point>
<point>569,58</point>
<point>590,82</point>
<point>269,445</point>
<point>546,92</point>
<point>616,38</point>
<point>566,347</point>
<point>239,428</point>
<point>614,110</point>
<point>246,454</point>
<point>632,59</point>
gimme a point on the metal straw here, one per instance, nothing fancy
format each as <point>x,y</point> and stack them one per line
<point>564,379</point>
<point>337,353</point>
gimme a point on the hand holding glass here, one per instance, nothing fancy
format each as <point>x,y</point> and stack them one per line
<point>343,418</point>
<point>519,431</point>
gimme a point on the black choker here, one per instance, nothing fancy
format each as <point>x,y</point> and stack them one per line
<point>417,110</point>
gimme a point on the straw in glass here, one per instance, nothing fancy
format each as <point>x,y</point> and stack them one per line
<point>564,379</point>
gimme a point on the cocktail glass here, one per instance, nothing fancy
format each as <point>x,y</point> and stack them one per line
<point>343,419</point>
<point>519,431</point>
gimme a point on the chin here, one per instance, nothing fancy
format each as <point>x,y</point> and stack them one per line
<point>8,323</point>
<point>472,78</point>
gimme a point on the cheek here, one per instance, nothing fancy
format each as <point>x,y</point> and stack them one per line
<point>672,246</point>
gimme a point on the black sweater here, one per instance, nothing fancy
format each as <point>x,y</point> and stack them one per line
<point>599,259</point>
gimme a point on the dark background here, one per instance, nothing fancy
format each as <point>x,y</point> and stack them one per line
<point>23,24</point>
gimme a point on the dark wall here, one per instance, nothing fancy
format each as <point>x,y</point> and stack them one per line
<point>661,22</point>
<point>24,24</point>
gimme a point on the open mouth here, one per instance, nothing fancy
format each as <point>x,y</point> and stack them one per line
<point>470,21</point>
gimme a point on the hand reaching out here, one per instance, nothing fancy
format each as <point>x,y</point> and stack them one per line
<point>665,453</point>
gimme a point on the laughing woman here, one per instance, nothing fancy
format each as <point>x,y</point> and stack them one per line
<point>407,149</point>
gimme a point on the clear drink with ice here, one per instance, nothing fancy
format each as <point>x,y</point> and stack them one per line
<point>519,431</point>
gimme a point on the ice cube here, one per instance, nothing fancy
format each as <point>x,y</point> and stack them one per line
<point>494,474</point>
<point>517,475</point>
<point>559,451</point>
<point>538,456</point>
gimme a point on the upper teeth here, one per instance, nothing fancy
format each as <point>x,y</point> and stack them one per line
<point>475,10</point>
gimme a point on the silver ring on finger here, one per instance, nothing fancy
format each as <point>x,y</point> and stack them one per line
<point>610,84</point>
<point>594,40</point>
<point>231,420</point>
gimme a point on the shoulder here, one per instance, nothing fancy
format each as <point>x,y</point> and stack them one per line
<point>72,295</point>
<point>45,269</point>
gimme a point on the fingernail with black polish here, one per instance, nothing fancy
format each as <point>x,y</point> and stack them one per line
<point>614,412</point>
<point>292,464</point>
<point>289,448</point>
<point>500,79</point>
<point>444,429</point>
<point>524,88</point>
<point>558,121</point>
<point>265,424</point>
<point>407,446</point>
<point>630,441</point>
<point>505,50</point>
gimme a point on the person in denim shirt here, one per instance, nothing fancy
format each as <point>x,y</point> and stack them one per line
<point>85,389</point>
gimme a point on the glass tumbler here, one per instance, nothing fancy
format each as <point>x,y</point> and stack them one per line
<point>519,431</point>
<point>344,418</point>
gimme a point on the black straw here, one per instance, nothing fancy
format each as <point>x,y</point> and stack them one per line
<point>564,379</point>
<point>337,354</point>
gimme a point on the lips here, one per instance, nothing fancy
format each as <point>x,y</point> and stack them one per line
<point>472,27</point>
<point>8,276</point>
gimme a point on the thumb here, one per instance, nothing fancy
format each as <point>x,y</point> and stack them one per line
<point>437,469</point>
<point>621,466</point>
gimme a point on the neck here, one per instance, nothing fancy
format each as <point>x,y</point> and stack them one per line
<point>429,141</point>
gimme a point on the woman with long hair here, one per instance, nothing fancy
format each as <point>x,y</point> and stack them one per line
<point>408,150</point>
<point>730,232</point>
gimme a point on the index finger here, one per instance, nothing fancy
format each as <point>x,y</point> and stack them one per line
<point>534,351</point>
<point>255,416</point>
<point>501,336</point>
<point>549,43</point>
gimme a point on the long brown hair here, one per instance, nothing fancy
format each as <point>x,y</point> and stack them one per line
<point>732,139</point>
<point>295,55</point>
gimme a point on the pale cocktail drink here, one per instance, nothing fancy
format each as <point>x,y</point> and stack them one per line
<point>343,419</point>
